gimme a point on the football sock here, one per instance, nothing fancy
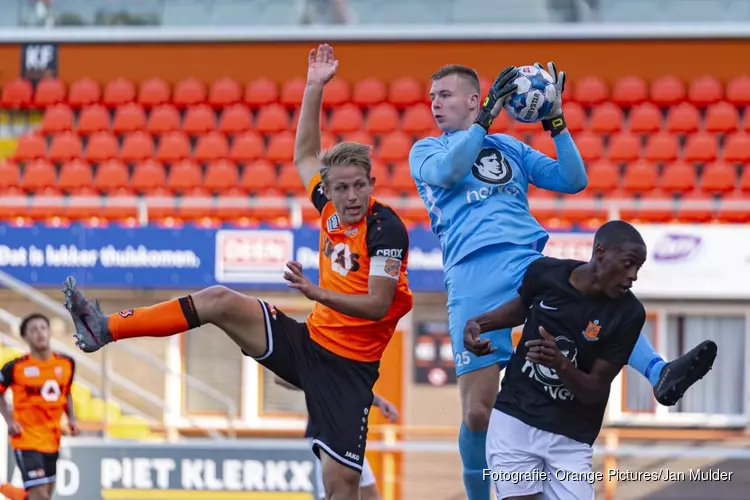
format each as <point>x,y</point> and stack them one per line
<point>646,361</point>
<point>12,492</point>
<point>160,320</point>
<point>471,446</point>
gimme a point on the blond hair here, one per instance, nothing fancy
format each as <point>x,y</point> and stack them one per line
<point>345,153</point>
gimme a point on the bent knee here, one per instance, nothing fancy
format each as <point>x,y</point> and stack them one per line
<point>342,486</point>
<point>39,493</point>
<point>477,417</point>
<point>216,302</point>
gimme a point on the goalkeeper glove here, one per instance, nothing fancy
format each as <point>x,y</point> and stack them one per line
<point>555,121</point>
<point>501,89</point>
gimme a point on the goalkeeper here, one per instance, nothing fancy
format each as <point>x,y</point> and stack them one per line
<point>474,185</point>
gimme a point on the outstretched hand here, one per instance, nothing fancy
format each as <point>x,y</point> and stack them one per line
<point>544,351</point>
<point>473,341</point>
<point>321,65</point>
<point>297,280</point>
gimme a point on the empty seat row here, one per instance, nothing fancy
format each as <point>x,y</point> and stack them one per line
<point>587,90</point>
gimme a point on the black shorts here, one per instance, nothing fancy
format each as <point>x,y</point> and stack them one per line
<point>338,390</point>
<point>37,468</point>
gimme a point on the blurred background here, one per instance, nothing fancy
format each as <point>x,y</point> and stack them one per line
<point>146,148</point>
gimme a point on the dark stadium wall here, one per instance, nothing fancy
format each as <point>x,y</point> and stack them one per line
<point>610,59</point>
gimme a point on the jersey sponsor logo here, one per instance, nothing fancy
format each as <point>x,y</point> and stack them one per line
<point>343,260</point>
<point>392,267</point>
<point>592,331</point>
<point>396,253</point>
<point>31,371</point>
<point>492,167</point>
<point>126,312</point>
<point>352,456</point>
<point>548,377</point>
<point>333,223</point>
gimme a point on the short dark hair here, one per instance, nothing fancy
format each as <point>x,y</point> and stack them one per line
<point>460,70</point>
<point>615,233</point>
<point>28,319</point>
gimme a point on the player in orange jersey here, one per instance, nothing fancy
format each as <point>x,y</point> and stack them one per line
<point>334,357</point>
<point>40,382</point>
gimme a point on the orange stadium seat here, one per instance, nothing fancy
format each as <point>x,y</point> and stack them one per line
<point>537,195</point>
<point>406,91</point>
<point>606,119</point>
<point>737,148</point>
<point>640,176</point>
<point>661,147</point>
<point>277,214</point>
<point>235,119</point>
<point>160,204</point>
<point>575,116</point>
<point>590,91</point>
<point>17,208</point>
<point>704,91</point>
<point>74,175</point>
<point>101,146</point>
<point>238,209</point>
<point>127,206</point>
<point>336,93</point>
<point>199,119</point>
<point>65,146</point>
<point>629,91</point>
<point>695,215</point>
<point>745,180</point>
<point>172,147</point>
<point>10,174</point>
<point>521,130</point>
<point>583,214</point>
<point>645,118</point>
<point>221,175</point>
<point>590,146</point>
<point>543,143</point>
<point>261,92</point>
<point>417,120</point>
<point>738,91</point>
<point>624,147</point>
<point>258,176</point>
<point>667,91</point>
<point>346,118</point>
<point>394,147</point>
<point>359,136</point>
<point>381,174</point>
<point>289,180</point>
<point>369,92</point>
<point>147,176</point>
<point>280,147</point>
<point>678,177</point>
<point>730,214</point>
<point>163,118</point>
<point>30,146</point>
<point>153,92</point>
<point>295,120</point>
<point>39,174</point>
<point>49,91</point>
<point>129,118</point>
<point>502,124</point>
<point>382,119</point>
<point>718,177</point>
<point>84,92</point>
<point>211,146</point>
<point>196,204</point>
<point>657,214</point>
<point>84,203</point>
<point>137,146</point>
<point>189,92</point>
<point>292,92</point>
<point>701,147</point>
<point>603,177</point>
<point>92,119</point>
<point>683,118</point>
<point>46,204</point>
<point>17,94</point>
<point>224,92</point>
<point>111,176</point>
<point>57,118</point>
<point>247,147</point>
<point>327,139</point>
<point>271,119</point>
<point>402,181</point>
<point>118,92</point>
<point>184,176</point>
<point>722,118</point>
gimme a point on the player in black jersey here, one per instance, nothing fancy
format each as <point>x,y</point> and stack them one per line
<point>582,322</point>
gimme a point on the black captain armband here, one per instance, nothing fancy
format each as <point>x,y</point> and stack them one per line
<point>555,125</point>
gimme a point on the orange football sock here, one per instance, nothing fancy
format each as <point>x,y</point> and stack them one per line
<point>12,493</point>
<point>160,320</point>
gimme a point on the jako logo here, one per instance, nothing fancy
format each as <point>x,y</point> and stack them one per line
<point>675,247</point>
<point>352,456</point>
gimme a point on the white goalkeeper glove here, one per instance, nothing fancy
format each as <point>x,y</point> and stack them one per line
<point>555,121</point>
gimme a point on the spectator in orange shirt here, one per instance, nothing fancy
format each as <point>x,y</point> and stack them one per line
<point>40,382</point>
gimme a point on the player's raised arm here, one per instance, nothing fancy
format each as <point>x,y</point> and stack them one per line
<point>432,162</point>
<point>568,173</point>
<point>321,68</point>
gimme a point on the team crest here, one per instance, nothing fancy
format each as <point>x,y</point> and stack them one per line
<point>351,232</point>
<point>126,313</point>
<point>333,223</point>
<point>392,267</point>
<point>492,167</point>
<point>592,331</point>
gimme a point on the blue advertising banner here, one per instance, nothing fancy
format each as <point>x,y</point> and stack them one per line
<point>188,257</point>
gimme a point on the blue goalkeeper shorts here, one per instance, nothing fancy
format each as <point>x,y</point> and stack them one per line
<point>479,283</point>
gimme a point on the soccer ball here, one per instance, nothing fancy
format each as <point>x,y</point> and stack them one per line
<point>533,98</point>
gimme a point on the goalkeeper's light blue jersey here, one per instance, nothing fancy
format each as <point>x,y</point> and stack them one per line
<point>475,187</point>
